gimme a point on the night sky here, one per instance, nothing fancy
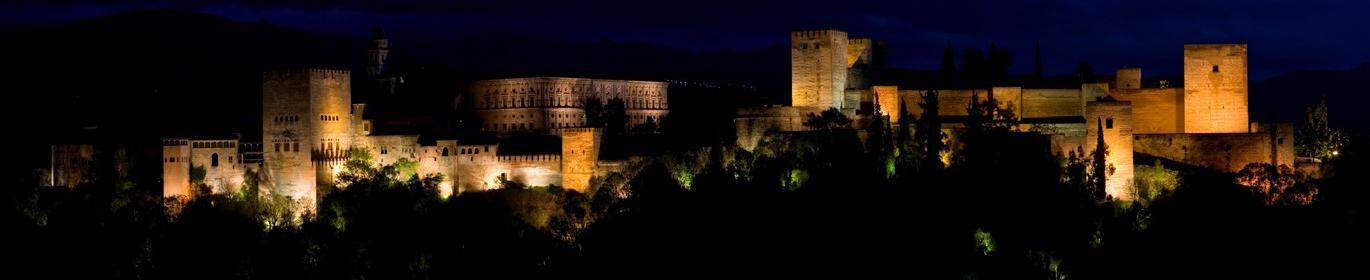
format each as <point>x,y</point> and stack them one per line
<point>1284,36</point>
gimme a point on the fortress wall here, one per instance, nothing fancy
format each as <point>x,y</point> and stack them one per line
<point>950,102</point>
<point>888,101</point>
<point>1042,103</point>
<point>851,100</point>
<point>1228,152</point>
<point>175,167</point>
<point>441,160</point>
<point>1093,92</point>
<point>1009,97</point>
<point>1155,110</point>
<point>1027,103</point>
<point>1063,145</point>
<point>1114,118</point>
<point>1215,80</point>
<point>389,149</point>
<point>477,167</point>
<point>752,124</point>
<point>818,68</point>
<point>227,175</point>
<point>1284,142</point>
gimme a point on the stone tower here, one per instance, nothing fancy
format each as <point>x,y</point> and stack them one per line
<point>579,154</point>
<point>378,56</point>
<point>1215,88</point>
<point>818,68</point>
<point>176,168</point>
<point>306,129</point>
<point>1128,78</point>
<point>1114,120</point>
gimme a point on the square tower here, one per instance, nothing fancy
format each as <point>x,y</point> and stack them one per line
<point>306,126</point>
<point>176,168</point>
<point>1128,78</point>
<point>579,156</point>
<point>818,68</point>
<point>1112,119</point>
<point>1215,88</point>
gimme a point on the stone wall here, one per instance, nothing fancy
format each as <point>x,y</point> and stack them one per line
<point>754,123</point>
<point>887,99</point>
<point>221,162</point>
<point>1027,103</point>
<point>1215,83</point>
<point>1155,110</point>
<point>818,68</point>
<point>440,159</point>
<point>1228,152</point>
<point>1050,103</point>
<point>477,167</point>
<point>1114,120</point>
<point>579,154</point>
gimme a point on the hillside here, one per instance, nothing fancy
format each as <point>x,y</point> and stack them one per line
<point>1289,94</point>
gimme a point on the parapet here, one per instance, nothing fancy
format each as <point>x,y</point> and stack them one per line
<point>175,141</point>
<point>529,158</point>
<point>290,74</point>
<point>814,34</point>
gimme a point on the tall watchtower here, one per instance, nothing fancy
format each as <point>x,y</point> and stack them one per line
<point>1215,88</point>
<point>306,124</point>
<point>378,56</point>
<point>818,68</point>
<point>579,156</point>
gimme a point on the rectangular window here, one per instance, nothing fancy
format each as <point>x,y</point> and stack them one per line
<point>278,147</point>
<point>1109,123</point>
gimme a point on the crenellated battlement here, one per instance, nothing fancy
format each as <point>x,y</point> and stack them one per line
<point>175,141</point>
<point>291,74</point>
<point>815,34</point>
<point>528,158</point>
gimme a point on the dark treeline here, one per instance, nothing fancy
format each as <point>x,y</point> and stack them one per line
<point>824,201</point>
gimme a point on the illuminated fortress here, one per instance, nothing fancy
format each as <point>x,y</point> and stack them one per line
<point>1205,123</point>
<point>310,125</point>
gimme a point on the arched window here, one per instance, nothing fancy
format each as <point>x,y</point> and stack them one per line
<point>444,151</point>
<point>214,160</point>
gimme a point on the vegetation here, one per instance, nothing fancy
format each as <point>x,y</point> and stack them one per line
<point>1316,138</point>
<point>799,203</point>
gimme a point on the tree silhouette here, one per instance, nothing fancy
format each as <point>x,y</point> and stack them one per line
<point>1316,138</point>
<point>948,62</point>
<point>830,119</point>
<point>928,133</point>
<point>1100,168</point>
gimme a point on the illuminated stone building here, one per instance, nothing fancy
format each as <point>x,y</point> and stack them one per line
<point>546,104</point>
<point>310,126</point>
<point>1205,123</point>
